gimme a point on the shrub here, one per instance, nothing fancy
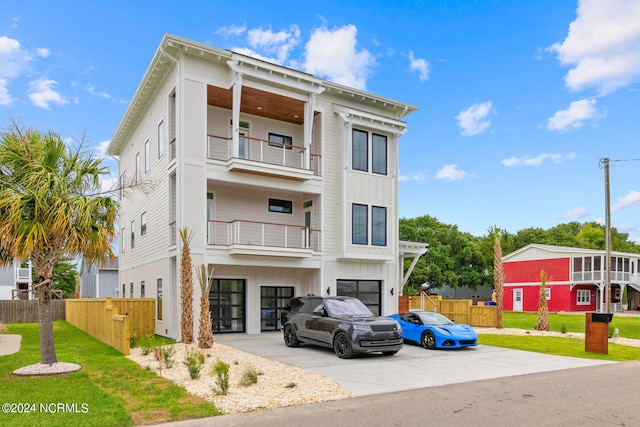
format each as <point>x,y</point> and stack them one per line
<point>250,376</point>
<point>166,353</point>
<point>221,371</point>
<point>194,362</point>
<point>3,328</point>
<point>563,329</point>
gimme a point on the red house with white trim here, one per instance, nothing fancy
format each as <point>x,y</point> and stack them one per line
<point>576,278</point>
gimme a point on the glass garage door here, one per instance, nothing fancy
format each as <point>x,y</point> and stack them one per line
<point>367,291</point>
<point>273,299</point>
<point>227,305</point>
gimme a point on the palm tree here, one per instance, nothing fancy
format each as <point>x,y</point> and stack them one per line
<point>543,307</point>
<point>205,333</point>
<point>50,208</point>
<point>186,289</point>
<point>498,273</point>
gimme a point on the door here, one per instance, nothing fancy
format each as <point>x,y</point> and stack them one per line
<point>273,299</point>
<point>226,303</point>
<point>211,216</point>
<point>517,300</point>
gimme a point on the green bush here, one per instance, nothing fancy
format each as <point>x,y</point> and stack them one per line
<point>250,376</point>
<point>166,353</point>
<point>194,362</point>
<point>221,371</point>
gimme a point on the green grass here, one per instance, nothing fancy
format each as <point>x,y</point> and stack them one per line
<point>628,327</point>
<point>559,346</point>
<point>116,391</point>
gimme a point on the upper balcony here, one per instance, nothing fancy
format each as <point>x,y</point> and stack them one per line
<point>264,157</point>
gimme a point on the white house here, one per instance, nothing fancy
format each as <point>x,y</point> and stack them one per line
<point>287,182</point>
<point>16,281</point>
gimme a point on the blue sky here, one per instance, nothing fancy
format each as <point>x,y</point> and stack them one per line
<point>518,100</point>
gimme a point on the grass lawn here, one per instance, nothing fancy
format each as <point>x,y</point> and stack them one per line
<point>114,390</point>
<point>628,327</point>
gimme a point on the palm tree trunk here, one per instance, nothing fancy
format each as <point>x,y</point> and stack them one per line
<point>45,324</point>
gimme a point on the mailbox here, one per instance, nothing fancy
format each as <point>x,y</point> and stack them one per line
<point>596,332</point>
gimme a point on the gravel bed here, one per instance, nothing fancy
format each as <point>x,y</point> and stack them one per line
<point>44,369</point>
<point>278,384</point>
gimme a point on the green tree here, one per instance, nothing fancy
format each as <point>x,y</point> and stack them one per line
<point>50,208</point>
<point>64,277</point>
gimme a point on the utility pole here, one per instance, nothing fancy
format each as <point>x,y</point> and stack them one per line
<point>607,203</point>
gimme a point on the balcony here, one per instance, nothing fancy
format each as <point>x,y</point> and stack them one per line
<point>263,157</point>
<point>261,238</point>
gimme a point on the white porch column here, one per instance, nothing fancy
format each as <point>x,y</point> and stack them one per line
<point>308,129</point>
<point>235,114</point>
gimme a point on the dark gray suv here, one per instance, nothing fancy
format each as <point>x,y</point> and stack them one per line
<point>342,323</point>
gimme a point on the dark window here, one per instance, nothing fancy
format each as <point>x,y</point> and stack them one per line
<point>133,234</point>
<point>142,290</point>
<point>360,151</point>
<point>280,206</point>
<point>276,140</point>
<point>143,224</point>
<point>159,297</point>
<point>359,224</point>
<point>378,226</point>
<point>367,291</point>
<point>379,154</point>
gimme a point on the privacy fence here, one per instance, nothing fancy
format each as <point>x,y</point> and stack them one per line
<point>458,310</point>
<point>112,321</point>
<point>26,311</point>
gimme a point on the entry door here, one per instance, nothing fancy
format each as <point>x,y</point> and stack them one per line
<point>517,300</point>
<point>226,303</point>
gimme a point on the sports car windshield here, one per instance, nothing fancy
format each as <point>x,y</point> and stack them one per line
<point>434,319</point>
<point>346,307</point>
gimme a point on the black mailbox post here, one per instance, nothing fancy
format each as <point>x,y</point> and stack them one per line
<point>596,337</point>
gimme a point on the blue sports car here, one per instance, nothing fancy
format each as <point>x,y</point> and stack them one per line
<point>433,330</point>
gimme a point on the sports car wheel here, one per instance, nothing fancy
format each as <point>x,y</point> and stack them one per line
<point>290,337</point>
<point>342,346</point>
<point>428,340</point>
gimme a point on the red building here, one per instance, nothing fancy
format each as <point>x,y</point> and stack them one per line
<point>576,279</point>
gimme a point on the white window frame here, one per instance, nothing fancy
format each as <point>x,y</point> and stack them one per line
<point>137,167</point>
<point>583,297</point>
<point>161,139</point>
<point>146,156</point>
<point>143,223</point>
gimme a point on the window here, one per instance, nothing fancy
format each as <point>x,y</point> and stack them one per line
<point>143,224</point>
<point>142,289</point>
<point>379,154</point>
<point>547,293</point>
<point>359,150</point>
<point>133,234</point>
<point>280,206</point>
<point>131,290</point>
<point>159,298</point>
<point>584,297</point>
<point>137,167</point>
<point>378,226</point>
<point>161,139</point>
<point>280,141</point>
<point>359,224</point>
<point>124,290</point>
<point>146,156</point>
<point>123,240</point>
<point>123,184</point>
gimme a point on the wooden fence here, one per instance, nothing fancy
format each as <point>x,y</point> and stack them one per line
<point>458,310</point>
<point>112,321</point>
<point>26,311</point>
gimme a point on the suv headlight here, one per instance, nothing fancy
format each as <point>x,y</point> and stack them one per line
<point>362,327</point>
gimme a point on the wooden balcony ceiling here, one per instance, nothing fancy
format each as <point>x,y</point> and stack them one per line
<point>259,103</point>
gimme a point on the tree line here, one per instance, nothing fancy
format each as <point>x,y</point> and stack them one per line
<point>459,259</point>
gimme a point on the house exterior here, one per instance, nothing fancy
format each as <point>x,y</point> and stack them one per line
<point>16,281</point>
<point>577,279</point>
<point>287,183</point>
<point>99,282</point>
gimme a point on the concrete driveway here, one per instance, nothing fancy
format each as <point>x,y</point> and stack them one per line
<point>411,368</point>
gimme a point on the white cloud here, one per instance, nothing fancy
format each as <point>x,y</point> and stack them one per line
<point>5,96</point>
<point>602,46</point>
<point>279,44</point>
<point>334,55</point>
<point>631,200</point>
<point>419,176</point>
<point>232,30</point>
<point>420,65</point>
<point>575,116</point>
<point>101,149</point>
<point>101,94</point>
<point>42,93</point>
<point>537,160</point>
<point>474,120</point>
<point>579,212</point>
<point>43,52</point>
<point>450,172</point>
<point>13,59</point>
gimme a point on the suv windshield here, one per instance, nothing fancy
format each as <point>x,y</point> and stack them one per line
<point>347,307</point>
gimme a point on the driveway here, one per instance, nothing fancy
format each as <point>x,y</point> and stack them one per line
<point>411,368</point>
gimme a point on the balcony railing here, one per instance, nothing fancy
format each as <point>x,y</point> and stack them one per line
<point>262,151</point>
<point>262,234</point>
<point>597,276</point>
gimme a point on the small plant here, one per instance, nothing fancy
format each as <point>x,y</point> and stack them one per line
<point>133,340</point>
<point>221,371</point>
<point>3,328</point>
<point>611,332</point>
<point>250,376</point>
<point>563,329</point>
<point>291,385</point>
<point>166,353</point>
<point>194,361</point>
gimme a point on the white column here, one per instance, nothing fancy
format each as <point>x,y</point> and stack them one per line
<point>235,114</point>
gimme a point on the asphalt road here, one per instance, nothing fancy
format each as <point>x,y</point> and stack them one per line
<point>601,395</point>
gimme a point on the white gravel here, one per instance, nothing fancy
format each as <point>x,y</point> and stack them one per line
<point>278,385</point>
<point>44,369</point>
